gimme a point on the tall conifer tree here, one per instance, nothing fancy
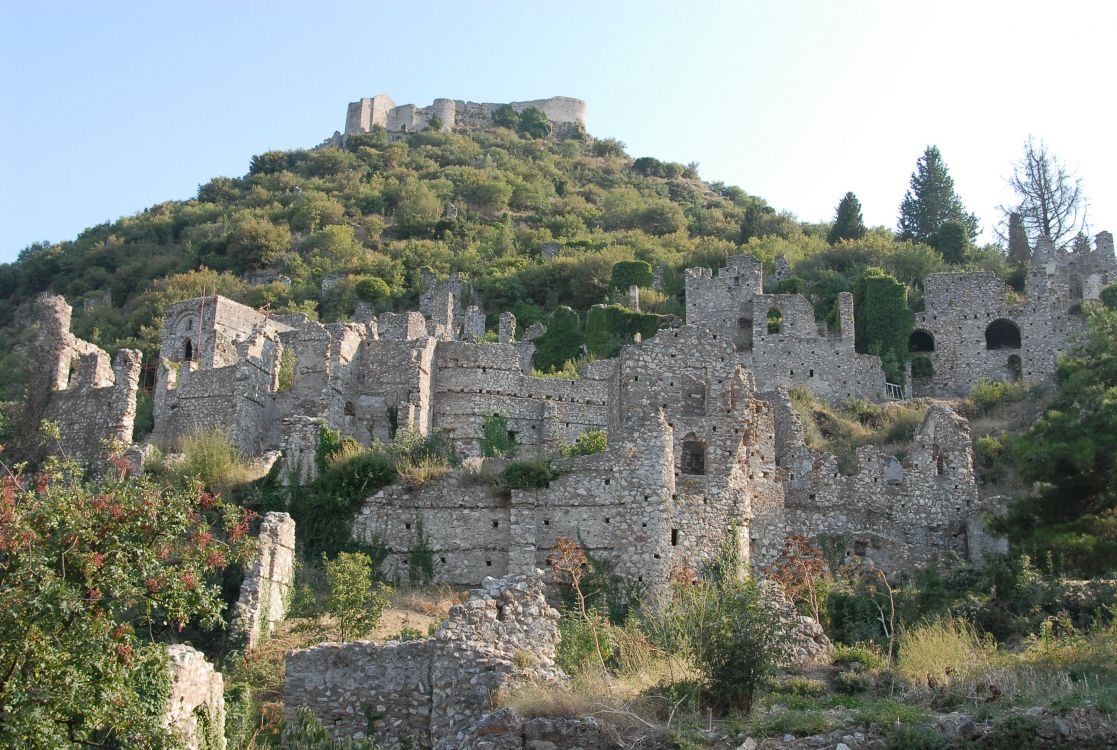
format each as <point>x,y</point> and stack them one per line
<point>848,224</point>
<point>931,201</point>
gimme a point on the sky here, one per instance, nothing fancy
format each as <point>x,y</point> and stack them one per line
<point>108,108</point>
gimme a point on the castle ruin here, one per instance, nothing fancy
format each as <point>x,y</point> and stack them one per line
<point>371,111</point>
<point>701,435</point>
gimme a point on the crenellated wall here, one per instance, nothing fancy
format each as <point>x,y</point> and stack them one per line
<point>732,304</point>
<point>364,113</point>
<point>73,385</point>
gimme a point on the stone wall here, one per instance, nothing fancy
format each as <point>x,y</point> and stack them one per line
<point>265,592</point>
<point>896,514</point>
<point>424,692</point>
<point>72,383</point>
<point>407,118</point>
<point>971,331</point>
<point>689,451</point>
<point>732,304</point>
<point>196,709</point>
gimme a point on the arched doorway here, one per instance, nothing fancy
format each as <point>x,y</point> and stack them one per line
<point>921,341</point>
<point>188,351</point>
<point>1002,334</point>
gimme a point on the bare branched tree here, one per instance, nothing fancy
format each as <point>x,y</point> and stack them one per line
<point>1051,198</point>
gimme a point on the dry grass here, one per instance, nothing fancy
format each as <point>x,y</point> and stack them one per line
<point>937,652</point>
<point>429,601</point>
<point>416,473</point>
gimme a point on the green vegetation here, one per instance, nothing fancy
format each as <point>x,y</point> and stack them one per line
<point>590,442</point>
<point>93,575</point>
<point>496,440</point>
<point>530,474</point>
<point>356,601</point>
<point>841,431</point>
<point>883,321</point>
<point>628,273</point>
<point>562,343</point>
<point>611,327</point>
<point>931,202</point>
<point>848,224</point>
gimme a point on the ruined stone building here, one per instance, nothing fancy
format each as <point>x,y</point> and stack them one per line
<point>971,330</point>
<point>368,112</point>
<point>702,438</point>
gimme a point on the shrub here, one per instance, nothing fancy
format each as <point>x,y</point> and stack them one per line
<point>738,638</point>
<point>305,732</point>
<point>916,737</point>
<point>531,474</point>
<point>921,367</point>
<point>852,683</point>
<point>628,273</point>
<point>496,440</point>
<point>988,394</point>
<point>858,658</point>
<point>797,723</point>
<point>209,456</point>
<point>610,327</point>
<point>804,686</point>
<point>287,362</point>
<point>589,442</point>
<point>355,601</point>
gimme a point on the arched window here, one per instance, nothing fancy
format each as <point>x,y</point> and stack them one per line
<point>187,351</point>
<point>775,319</point>
<point>1015,367</point>
<point>1002,334</point>
<point>921,341</point>
<point>693,460</point>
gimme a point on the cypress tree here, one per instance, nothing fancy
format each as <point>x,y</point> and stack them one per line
<point>1019,253</point>
<point>931,201</point>
<point>848,224</point>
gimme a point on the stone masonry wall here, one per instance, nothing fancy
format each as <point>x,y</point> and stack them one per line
<point>197,702</point>
<point>732,304</point>
<point>424,692</point>
<point>267,584</point>
<point>72,384</point>
<point>362,114</point>
<point>899,515</point>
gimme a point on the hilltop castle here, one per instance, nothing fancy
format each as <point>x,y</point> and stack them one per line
<point>702,435</point>
<point>370,111</point>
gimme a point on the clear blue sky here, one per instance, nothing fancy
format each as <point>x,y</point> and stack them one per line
<point>110,107</point>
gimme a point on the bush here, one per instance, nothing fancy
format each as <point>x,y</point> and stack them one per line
<point>590,442</point>
<point>610,327</point>
<point>738,639</point>
<point>857,658</point>
<point>916,737</point>
<point>305,732</point>
<point>986,395</point>
<point>209,456</point>
<point>921,367</point>
<point>853,683</point>
<point>628,273</point>
<point>355,601</point>
<point>496,440</point>
<point>531,474</point>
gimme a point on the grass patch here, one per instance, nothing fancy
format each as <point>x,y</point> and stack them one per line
<point>939,651</point>
<point>841,431</point>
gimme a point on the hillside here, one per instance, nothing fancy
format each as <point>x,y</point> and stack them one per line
<point>534,223</point>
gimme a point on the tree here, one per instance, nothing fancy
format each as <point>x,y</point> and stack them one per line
<point>506,117</point>
<point>255,242</point>
<point>882,320</point>
<point>355,601</point>
<point>89,573</point>
<point>628,273</point>
<point>1051,200</point>
<point>952,240</point>
<point>1019,251</point>
<point>562,341</point>
<point>848,224</point>
<point>419,208</point>
<point>534,124</point>
<point>1071,455</point>
<point>931,201</point>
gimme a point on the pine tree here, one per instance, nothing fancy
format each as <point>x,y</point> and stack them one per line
<point>1019,252</point>
<point>931,201</point>
<point>848,224</point>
